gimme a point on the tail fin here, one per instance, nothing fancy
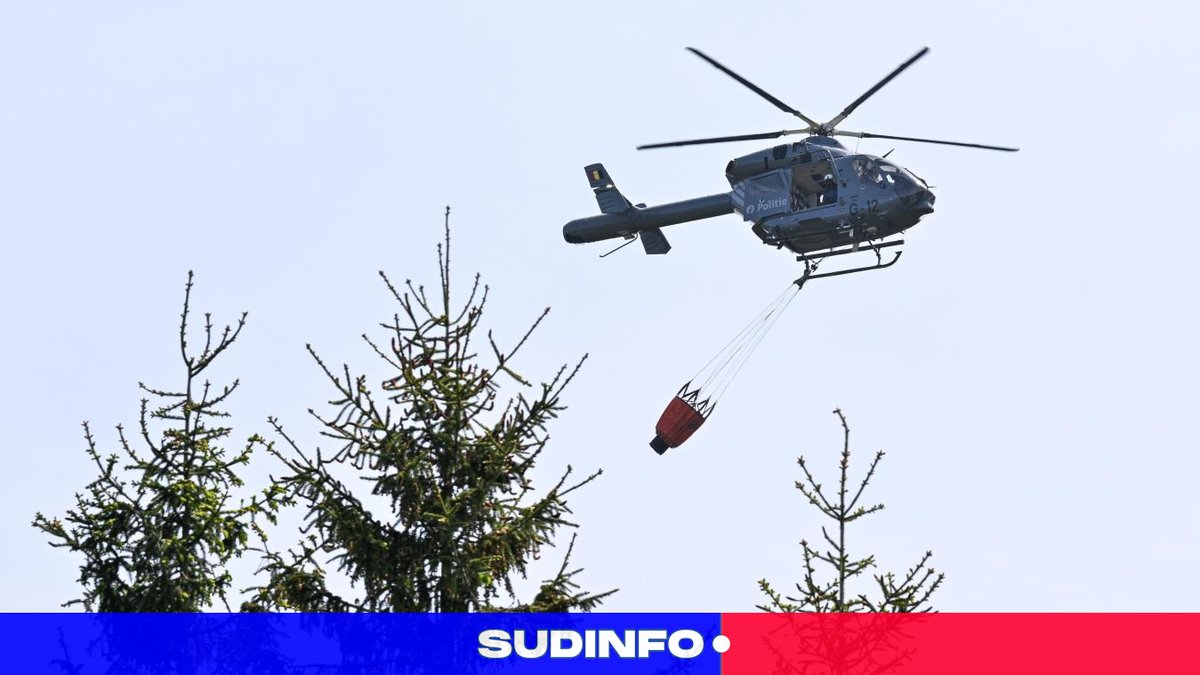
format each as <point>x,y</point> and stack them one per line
<point>608,196</point>
<point>612,201</point>
<point>655,242</point>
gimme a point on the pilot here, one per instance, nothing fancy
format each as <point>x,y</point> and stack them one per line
<point>828,189</point>
<point>872,174</point>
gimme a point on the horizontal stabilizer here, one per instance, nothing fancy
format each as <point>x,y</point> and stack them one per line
<point>655,242</point>
<point>607,196</point>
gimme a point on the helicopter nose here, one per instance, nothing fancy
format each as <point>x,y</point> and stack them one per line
<point>925,203</point>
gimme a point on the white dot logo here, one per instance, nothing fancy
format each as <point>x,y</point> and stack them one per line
<point>720,644</point>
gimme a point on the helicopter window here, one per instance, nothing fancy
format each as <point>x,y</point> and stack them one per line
<point>894,176</point>
<point>769,184</point>
<point>800,149</point>
<point>871,171</point>
<point>767,192</point>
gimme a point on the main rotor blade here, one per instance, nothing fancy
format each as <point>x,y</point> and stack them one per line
<point>864,134</point>
<point>870,92</point>
<point>753,87</point>
<point>725,139</point>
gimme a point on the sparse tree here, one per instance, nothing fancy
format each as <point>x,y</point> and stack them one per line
<point>159,525</point>
<point>909,592</point>
<point>428,502</point>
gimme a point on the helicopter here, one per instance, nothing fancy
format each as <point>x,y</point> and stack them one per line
<point>814,197</point>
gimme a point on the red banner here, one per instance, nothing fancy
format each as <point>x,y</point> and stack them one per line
<point>979,644</point>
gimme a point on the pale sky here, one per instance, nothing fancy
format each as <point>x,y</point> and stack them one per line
<point>1029,365</point>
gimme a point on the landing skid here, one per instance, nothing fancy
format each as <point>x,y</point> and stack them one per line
<point>812,260</point>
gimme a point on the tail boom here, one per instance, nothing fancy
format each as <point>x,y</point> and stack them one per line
<point>634,220</point>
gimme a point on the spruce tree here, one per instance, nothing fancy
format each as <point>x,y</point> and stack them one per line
<point>159,525</point>
<point>909,592</point>
<point>428,503</point>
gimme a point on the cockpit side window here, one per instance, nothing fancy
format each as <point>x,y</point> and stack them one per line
<point>873,171</point>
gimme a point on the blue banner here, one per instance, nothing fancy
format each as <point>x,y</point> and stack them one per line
<point>312,644</point>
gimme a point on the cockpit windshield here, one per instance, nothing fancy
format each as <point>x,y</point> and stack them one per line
<point>881,173</point>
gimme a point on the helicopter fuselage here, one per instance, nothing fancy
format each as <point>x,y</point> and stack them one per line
<point>806,196</point>
<point>814,195</point>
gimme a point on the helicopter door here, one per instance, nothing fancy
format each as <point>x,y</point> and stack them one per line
<point>766,195</point>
